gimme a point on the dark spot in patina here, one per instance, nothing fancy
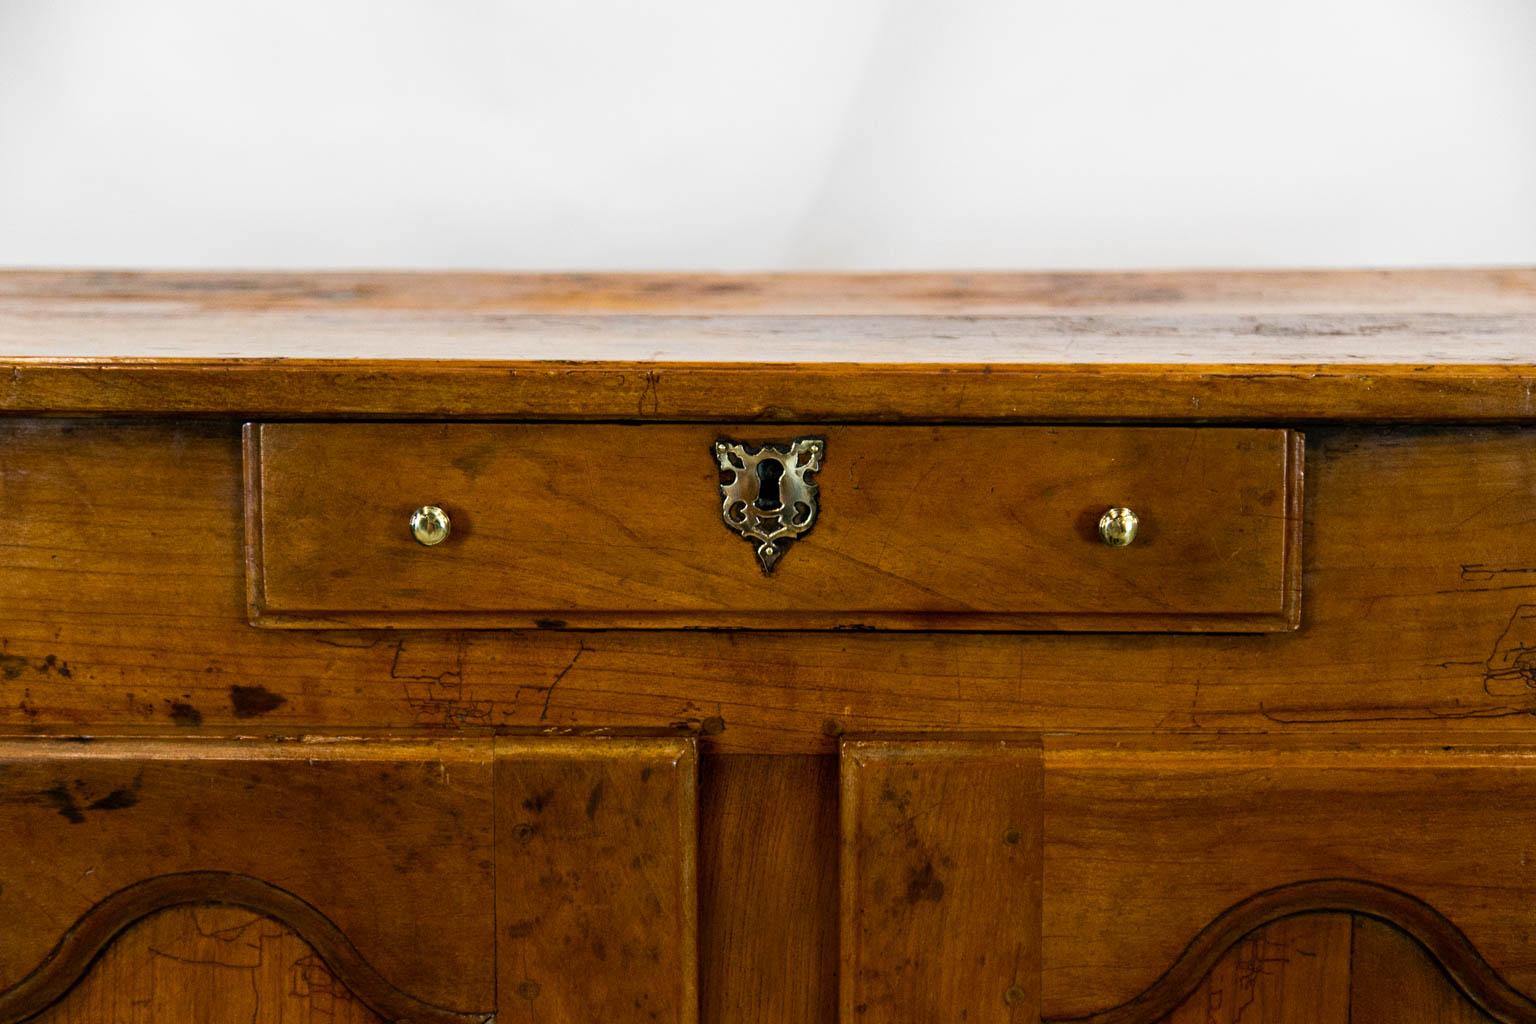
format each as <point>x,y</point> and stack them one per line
<point>117,800</point>
<point>64,800</point>
<point>538,801</point>
<point>251,701</point>
<point>549,623</point>
<point>924,884</point>
<point>714,725</point>
<point>595,800</point>
<point>12,666</point>
<point>185,714</point>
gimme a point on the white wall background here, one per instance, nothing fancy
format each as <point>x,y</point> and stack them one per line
<point>799,133</point>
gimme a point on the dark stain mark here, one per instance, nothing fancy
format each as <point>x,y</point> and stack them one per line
<point>549,623</point>
<point>538,801</point>
<point>64,800</point>
<point>13,666</point>
<point>1012,837</point>
<point>118,800</point>
<point>831,727</point>
<point>251,701</point>
<point>528,990</point>
<point>595,800</point>
<point>522,832</point>
<point>645,774</point>
<point>714,725</point>
<point>924,884</point>
<point>473,461</point>
<point>185,714</point>
<point>522,929</point>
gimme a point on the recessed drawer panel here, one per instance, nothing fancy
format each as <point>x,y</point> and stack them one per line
<point>607,526</point>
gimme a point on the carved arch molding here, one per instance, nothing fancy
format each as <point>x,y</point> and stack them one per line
<point>564,872</point>
<point>70,961</point>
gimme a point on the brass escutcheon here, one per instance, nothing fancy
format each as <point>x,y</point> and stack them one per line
<point>766,493</point>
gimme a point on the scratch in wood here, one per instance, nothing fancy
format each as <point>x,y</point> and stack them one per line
<point>549,691</point>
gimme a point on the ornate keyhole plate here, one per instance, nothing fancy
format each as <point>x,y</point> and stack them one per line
<point>767,494</point>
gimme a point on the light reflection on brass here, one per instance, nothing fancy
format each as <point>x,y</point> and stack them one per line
<point>430,525</point>
<point>1117,527</point>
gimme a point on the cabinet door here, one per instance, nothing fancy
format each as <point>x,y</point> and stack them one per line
<point>240,881</point>
<point>1288,881</point>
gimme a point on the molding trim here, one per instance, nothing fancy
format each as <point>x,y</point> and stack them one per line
<point>1446,945</point>
<point>96,929</point>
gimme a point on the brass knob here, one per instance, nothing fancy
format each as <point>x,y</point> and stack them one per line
<point>1117,527</point>
<point>430,525</point>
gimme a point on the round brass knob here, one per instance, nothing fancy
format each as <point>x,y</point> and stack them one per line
<point>430,525</point>
<point>1117,527</point>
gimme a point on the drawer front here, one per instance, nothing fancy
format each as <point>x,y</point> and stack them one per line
<point>609,526</point>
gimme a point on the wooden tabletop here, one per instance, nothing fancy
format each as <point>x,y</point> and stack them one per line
<point>1295,346</point>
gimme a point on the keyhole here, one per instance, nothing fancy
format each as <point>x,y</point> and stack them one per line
<point>768,473</point>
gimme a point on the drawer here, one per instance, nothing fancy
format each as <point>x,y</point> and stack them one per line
<point>612,526</point>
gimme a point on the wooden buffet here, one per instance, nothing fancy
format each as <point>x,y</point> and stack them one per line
<point>890,649</point>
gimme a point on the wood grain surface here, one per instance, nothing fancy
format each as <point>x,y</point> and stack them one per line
<point>919,527</point>
<point>1444,345</point>
<point>1148,845</point>
<point>596,884</point>
<point>768,928</point>
<point>378,852</point>
<point>434,823</point>
<point>1295,971</point>
<point>1393,982</point>
<point>210,965</point>
<point>940,880</point>
<point>1418,618</point>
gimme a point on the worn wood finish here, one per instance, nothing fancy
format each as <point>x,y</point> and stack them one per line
<point>1147,845</point>
<point>596,884</point>
<point>1393,982</point>
<point>940,874</point>
<point>1408,346</point>
<point>1417,576</point>
<point>1401,291</point>
<point>100,927</point>
<point>1211,816</point>
<point>594,526</point>
<point>377,854</point>
<point>768,889</point>
<point>211,965</point>
<point>1295,971</point>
